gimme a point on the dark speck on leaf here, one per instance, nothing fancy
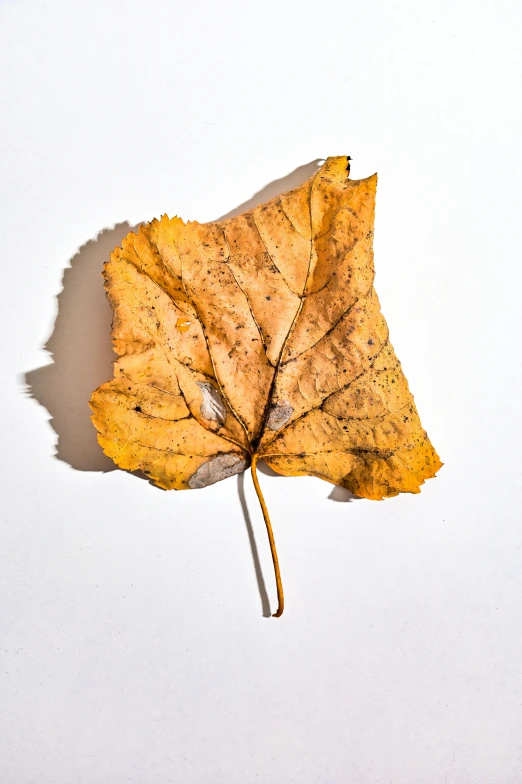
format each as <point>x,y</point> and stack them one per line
<point>138,409</point>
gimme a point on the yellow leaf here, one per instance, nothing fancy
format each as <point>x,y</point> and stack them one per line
<point>260,337</point>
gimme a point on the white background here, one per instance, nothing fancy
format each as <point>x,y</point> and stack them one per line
<point>133,642</point>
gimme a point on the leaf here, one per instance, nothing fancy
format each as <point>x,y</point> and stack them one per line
<point>260,337</point>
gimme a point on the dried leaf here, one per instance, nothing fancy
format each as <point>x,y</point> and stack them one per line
<point>260,337</point>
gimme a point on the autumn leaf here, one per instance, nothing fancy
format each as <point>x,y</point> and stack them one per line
<point>260,337</point>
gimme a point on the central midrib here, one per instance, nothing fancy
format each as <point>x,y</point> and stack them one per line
<point>256,441</point>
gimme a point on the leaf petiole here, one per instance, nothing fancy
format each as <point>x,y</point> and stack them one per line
<point>280,595</point>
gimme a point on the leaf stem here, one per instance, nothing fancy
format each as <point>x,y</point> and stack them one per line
<point>280,595</point>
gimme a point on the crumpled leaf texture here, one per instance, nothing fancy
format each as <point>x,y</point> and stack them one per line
<point>260,335</point>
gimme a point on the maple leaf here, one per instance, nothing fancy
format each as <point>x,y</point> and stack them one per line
<point>260,337</point>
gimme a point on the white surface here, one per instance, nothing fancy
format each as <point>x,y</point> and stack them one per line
<point>133,646</point>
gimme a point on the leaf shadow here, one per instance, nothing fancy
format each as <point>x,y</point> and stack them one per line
<point>275,188</point>
<point>82,354</point>
<point>343,495</point>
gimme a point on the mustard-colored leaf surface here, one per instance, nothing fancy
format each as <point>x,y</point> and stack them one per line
<point>260,335</point>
